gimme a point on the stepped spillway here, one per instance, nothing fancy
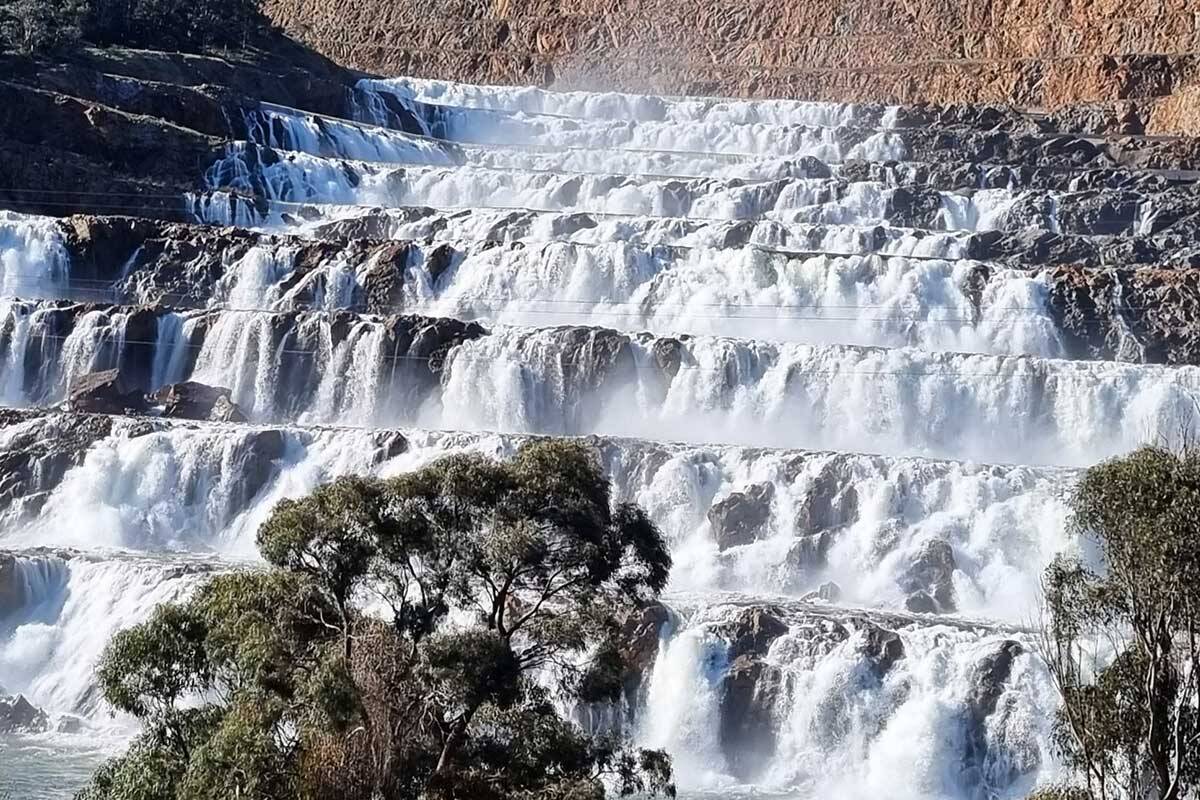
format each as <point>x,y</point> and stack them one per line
<point>849,358</point>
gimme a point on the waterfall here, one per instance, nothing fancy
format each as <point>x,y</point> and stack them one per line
<point>833,357</point>
<point>33,258</point>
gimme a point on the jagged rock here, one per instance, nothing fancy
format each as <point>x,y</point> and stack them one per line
<point>881,648</point>
<point>808,552</point>
<point>69,724</point>
<point>39,451</point>
<point>931,573</point>
<point>193,400</point>
<point>921,603</point>
<point>742,517</point>
<point>750,693</point>
<point>752,632</point>
<point>640,634</point>
<point>987,686</point>
<point>18,715</point>
<point>750,690</point>
<point>830,502</point>
<point>437,261</point>
<point>988,679</point>
<point>668,355</point>
<point>12,587</point>
<point>105,392</point>
<point>260,462</point>
<point>383,284</point>
<point>225,410</point>
<point>390,445</point>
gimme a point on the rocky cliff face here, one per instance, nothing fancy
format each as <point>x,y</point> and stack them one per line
<point>1135,61</point>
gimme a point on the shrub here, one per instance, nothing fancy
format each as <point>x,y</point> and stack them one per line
<point>40,26</point>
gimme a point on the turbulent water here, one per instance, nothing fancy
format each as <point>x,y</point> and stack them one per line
<point>739,330</point>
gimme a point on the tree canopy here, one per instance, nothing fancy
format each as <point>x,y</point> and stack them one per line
<point>54,26</point>
<point>1121,634</point>
<point>413,637</point>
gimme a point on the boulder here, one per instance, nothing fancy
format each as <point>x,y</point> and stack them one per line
<point>931,573</point>
<point>881,648</point>
<point>829,591</point>
<point>640,634</point>
<point>987,686</point>
<point>18,715</point>
<point>193,400</point>
<point>988,678</point>
<point>12,586</point>
<point>750,694</point>
<point>920,602</point>
<point>742,517</point>
<point>831,501</point>
<point>69,724</point>
<point>225,410</point>
<point>752,632</point>
<point>105,392</point>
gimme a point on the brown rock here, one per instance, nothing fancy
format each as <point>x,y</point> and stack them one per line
<point>105,392</point>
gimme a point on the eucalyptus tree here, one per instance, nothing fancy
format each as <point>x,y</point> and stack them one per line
<point>414,637</point>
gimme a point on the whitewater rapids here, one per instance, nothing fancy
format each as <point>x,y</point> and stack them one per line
<point>837,416</point>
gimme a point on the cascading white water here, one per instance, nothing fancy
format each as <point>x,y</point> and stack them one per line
<point>889,342</point>
<point>201,489</point>
<point>620,106</point>
<point>33,258</point>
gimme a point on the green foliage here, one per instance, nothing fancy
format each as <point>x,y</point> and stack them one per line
<point>172,23</point>
<point>491,573</point>
<point>1121,640</point>
<point>40,26</point>
<point>1060,793</point>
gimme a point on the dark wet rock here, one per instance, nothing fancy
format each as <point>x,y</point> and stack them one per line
<point>438,259</point>
<point>829,592</point>
<point>105,392</point>
<point>921,603</point>
<point>752,632</point>
<point>567,225</point>
<point>881,648</point>
<point>18,715</point>
<point>12,588</point>
<point>193,400</point>
<point>830,502</point>
<point>259,463</point>
<point>988,679</point>
<point>751,692</point>
<point>389,445</point>
<point>668,354</point>
<point>39,450</point>
<point>641,632</point>
<point>931,573</point>
<point>914,207</point>
<point>69,724</point>
<point>808,553</point>
<point>742,517</point>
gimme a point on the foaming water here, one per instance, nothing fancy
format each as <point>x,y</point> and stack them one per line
<point>747,293</point>
<point>54,640</point>
<point>899,580</point>
<point>33,258</point>
<point>917,729</point>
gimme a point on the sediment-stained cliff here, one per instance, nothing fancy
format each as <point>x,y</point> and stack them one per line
<point>1137,59</point>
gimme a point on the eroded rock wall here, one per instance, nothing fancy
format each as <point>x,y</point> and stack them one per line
<point>1032,54</point>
